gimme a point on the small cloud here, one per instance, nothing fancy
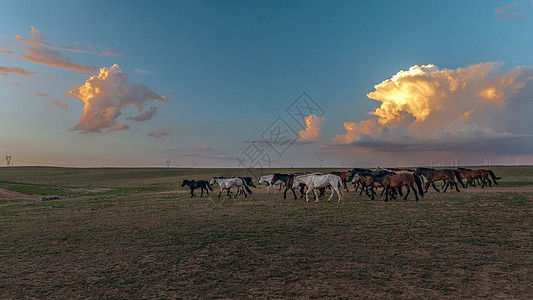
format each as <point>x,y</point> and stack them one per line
<point>503,9</point>
<point>512,12</point>
<point>62,105</point>
<point>203,148</point>
<point>119,127</point>
<point>36,33</point>
<point>17,84</point>
<point>142,72</point>
<point>7,71</point>
<point>159,134</point>
<point>147,115</point>
<point>41,94</point>
<point>110,53</point>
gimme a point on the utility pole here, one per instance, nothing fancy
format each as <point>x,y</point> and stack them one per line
<point>8,160</point>
<point>168,163</point>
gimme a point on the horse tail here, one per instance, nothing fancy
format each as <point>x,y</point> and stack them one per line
<point>493,176</point>
<point>458,176</point>
<point>418,182</point>
<point>246,187</point>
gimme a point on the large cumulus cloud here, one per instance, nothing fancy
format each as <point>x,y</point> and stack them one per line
<point>427,108</point>
<point>107,94</point>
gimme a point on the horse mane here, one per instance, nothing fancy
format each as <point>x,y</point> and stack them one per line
<point>463,169</point>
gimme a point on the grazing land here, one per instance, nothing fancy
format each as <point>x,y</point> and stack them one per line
<point>135,233</point>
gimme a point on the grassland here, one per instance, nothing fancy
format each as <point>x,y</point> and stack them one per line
<point>134,233</point>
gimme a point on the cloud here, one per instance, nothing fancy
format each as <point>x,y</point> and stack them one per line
<point>159,134</point>
<point>429,108</point>
<point>142,72</point>
<point>62,105</point>
<point>41,94</point>
<point>147,115</point>
<point>203,148</point>
<point>313,129</point>
<point>106,95</point>
<point>503,9</point>
<point>510,12</point>
<point>38,51</point>
<point>7,71</point>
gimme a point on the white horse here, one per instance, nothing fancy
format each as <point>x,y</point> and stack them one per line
<point>228,183</point>
<point>314,181</point>
<point>268,179</point>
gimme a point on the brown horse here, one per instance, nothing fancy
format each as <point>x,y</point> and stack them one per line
<point>448,176</point>
<point>398,180</point>
<point>481,174</point>
<point>345,177</point>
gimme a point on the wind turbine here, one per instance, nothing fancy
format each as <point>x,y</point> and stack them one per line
<point>322,162</point>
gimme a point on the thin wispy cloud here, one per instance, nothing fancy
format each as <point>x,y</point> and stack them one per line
<point>106,95</point>
<point>41,94</point>
<point>7,71</point>
<point>203,148</point>
<point>38,51</point>
<point>62,105</point>
<point>142,72</point>
<point>159,134</point>
<point>511,12</point>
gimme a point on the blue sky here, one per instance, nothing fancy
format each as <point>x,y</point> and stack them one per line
<point>223,71</point>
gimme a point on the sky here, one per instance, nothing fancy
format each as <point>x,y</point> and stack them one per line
<point>266,83</point>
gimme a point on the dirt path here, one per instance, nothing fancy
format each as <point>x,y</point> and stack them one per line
<point>10,195</point>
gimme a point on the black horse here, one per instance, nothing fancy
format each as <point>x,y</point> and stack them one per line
<point>288,180</point>
<point>199,184</point>
<point>249,181</point>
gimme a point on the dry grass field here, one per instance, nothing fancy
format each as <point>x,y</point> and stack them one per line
<point>135,233</point>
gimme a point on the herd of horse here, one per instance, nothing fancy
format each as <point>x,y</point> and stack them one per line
<point>390,181</point>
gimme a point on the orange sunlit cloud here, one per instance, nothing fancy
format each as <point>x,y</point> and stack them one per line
<point>159,134</point>
<point>313,129</point>
<point>7,71</point>
<point>62,105</point>
<point>39,51</point>
<point>426,103</point>
<point>106,95</point>
<point>203,148</point>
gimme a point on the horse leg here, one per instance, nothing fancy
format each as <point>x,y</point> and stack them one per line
<point>202,190</point>
<point>408,191</point>
<point>427,187</point>
<point>446,185</point>
<point>338,193</point>
<point>386,194</point>
<point>192,193</point>
<point>456,186</point>
<point>414,191</point>
<point>332,191</point>
<point>434,186</point>
<point>294,193</point>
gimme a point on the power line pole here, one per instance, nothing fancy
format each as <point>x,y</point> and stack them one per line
<point>8,160</point>
<point>168,163</point>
